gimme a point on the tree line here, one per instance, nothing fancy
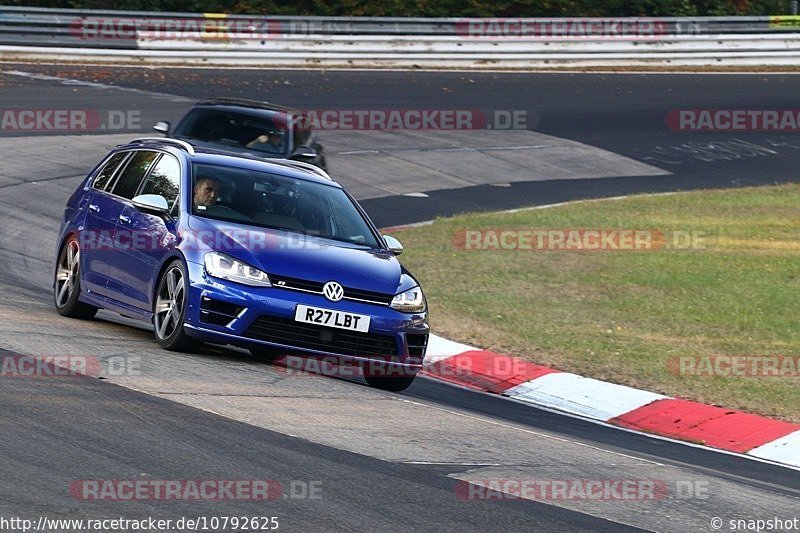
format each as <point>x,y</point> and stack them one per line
<point>438,8</point>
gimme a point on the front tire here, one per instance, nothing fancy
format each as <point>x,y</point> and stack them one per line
<point>67,283</point>
<point>169,309</point>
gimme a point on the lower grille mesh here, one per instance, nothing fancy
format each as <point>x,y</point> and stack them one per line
<point>312,337</point>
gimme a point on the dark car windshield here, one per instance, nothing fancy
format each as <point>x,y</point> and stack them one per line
<point>279,202</point>
<point>239,130</point>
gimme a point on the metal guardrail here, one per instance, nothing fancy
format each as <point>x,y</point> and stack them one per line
<point>109,35</point>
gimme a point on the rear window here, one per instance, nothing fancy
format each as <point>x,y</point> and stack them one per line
<point>164,179</point>
<point>108,170</point>
<point>130,178</point>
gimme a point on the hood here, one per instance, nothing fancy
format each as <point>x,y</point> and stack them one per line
<point>300,256</point>
<point>231,148</point>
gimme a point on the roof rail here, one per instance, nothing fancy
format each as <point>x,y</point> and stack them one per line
<point>181,144</point>
<point>249,103</point>
<point>305,166</point>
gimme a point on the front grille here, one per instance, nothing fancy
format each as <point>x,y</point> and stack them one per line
<point>377,297</point>
<point>297,284</point>
<point>285,282</point>
<point>313,337</point>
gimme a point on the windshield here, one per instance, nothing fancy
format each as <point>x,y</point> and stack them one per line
<point>238,130</point>
<point>277,202</point>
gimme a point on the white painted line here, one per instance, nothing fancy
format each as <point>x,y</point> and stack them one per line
<point>449,464</point>
<point>416,195</point>
<point>508,425</point>
<point>440,348</point>
<point>94,85</point>
<point>406,226</point>
<point>582,396</point>
<point>354,152</point>
<point>783,450</point>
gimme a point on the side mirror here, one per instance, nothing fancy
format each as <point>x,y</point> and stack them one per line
<point>162,127</point>
<point>302,153</point>
<point>393,244</point>
<point>151,203</point>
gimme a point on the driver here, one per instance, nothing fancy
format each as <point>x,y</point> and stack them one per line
<point>271,141</point>
<point>206,193</point>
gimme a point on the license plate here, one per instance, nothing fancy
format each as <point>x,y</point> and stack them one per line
<point>331,318</point>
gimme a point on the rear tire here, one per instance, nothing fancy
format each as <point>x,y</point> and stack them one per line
<point>67,283</point>
<point>169,309</point>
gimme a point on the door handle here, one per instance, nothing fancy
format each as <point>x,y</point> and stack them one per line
<point>94,208</point>
<point>125,219</point>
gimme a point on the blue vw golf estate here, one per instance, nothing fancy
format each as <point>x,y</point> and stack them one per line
<point>218,247</point>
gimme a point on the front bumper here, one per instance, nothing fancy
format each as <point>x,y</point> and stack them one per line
<point>223,312</point>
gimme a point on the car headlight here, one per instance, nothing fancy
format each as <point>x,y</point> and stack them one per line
<point>411,301</point>
<point>226,267</point>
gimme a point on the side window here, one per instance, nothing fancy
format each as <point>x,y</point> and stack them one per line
<point>164,179</point>
<point>130,178</point>
<point>107,172</point>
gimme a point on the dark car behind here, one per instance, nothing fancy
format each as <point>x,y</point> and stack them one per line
<point>259,129</point>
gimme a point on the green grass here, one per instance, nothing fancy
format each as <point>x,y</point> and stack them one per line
<point>621,316</point>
